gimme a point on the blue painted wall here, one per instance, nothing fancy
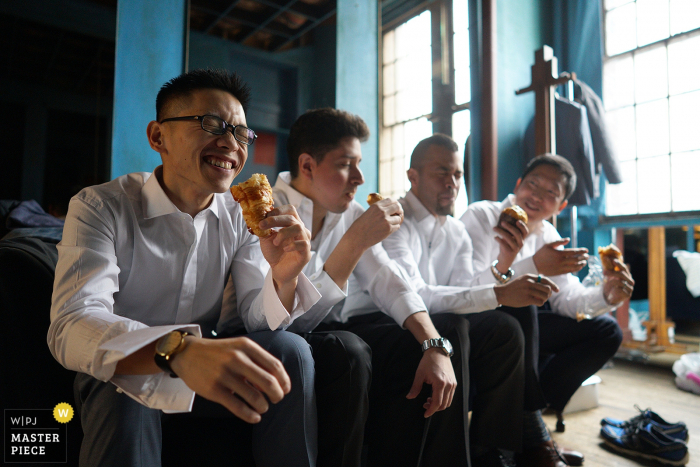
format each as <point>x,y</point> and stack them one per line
<point>358,78</point>
<point>146,57</point>
<point>523,27</point>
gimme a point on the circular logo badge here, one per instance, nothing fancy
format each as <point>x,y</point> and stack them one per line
<point>63,413</point>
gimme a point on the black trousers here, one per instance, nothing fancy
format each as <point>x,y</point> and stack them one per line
<point>572,351</point>
<point>497,369</point>
<point>395,425</point>
<point>343,364</point>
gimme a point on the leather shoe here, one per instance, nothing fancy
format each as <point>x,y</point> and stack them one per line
<point>544,455</point>
<point>573,458</point>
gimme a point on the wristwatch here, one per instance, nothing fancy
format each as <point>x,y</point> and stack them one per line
<point>501,278</point>
<point>439,343</point>
<point>167,347</point>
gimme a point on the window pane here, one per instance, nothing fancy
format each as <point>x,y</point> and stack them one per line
<point>652,21</point>
<point>684,64</point>
<point>622,131</point>
<point>389,79</point>
<point>685,15</point>
<point>684,173</point>
<point>461,127</point>
<point>654,188</point>
<point>610,4</point>
<point>618,82</point>
<point>650,76</point>
<point>621,199</point>
<point>463,92</point>
<point>685,122</point>
<point>389,110</point>
<point>388,54</point>
<point>652,129</point>
<point>412,34</point>
<point>385,177</point>
<point>621,29</point>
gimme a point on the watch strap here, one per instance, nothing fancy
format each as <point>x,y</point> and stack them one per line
<point>163,361</point>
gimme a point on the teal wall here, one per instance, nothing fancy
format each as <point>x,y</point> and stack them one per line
<point>522,28</point>
<point>146,57</point>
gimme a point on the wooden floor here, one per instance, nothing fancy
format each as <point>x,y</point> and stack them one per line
<point>624,385</point>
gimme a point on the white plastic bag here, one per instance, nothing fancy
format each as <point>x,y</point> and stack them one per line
<point>594,280</point>
<point>687,370</point>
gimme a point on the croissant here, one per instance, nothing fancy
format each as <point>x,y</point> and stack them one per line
<point>607,255</point>
<point>513,214</point>
<point>373,198</point>
<point>255,198</point>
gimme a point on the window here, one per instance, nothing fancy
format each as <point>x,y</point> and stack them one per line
<point>425,89</point>
<point>651,89</point>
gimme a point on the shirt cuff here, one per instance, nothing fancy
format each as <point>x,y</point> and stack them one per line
<point>305,296</point>
<point>405,306</point>
<point>156,391</point>
<point>484,297</point>
<point>331,294</point>
<point>524,266</point>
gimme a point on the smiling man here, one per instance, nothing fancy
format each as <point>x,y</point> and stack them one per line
<point>408,350</point>
<point>139,286</point>
<point>573,350</point>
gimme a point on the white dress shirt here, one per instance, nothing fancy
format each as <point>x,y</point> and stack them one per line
<point>436,253</point>
<point>480,219</point>
<point>132,267</point>
<point>376,279</point>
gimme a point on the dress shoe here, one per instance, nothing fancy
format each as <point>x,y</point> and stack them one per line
<point>544,455</point>
<point>573,458</point>
<point>492,458</point>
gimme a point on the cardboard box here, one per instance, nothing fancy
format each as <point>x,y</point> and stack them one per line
<point>585,397</point>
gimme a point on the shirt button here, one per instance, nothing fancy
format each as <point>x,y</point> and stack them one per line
<point>318,286</point>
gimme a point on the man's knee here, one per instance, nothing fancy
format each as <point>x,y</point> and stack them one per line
<point>609,332</point>
<point>504,330</point>
<point>286,346</point>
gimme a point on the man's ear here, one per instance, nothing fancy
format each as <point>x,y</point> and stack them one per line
<point>412,176</point>
<point>307,165</point>
<point>562,206</point>
<point>517,184</point>
<point>155,136</point>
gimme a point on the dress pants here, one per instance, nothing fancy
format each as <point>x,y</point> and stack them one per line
<point>343,376</point>
<point>497,373</point>
<point>571,351</point>
<point>396,427</point>
<point>119,431</point>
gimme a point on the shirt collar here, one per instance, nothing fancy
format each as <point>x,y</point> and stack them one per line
<point>420,212</point>
<point>156,203</point>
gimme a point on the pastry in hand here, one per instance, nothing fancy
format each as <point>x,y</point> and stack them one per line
<point>255,198</point>
<point>608,254</point>
<point>373,198</point>
<point>512,215</point>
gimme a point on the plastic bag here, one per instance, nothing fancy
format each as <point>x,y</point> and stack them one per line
<point>687,370</point>
<point>594,279</point>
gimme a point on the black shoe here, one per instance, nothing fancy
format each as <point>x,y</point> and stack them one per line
<point>492,458</point>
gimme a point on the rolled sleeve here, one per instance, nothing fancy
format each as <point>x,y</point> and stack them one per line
<point>277,316</point>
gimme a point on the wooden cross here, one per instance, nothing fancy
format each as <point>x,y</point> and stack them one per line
<point>544,81</point>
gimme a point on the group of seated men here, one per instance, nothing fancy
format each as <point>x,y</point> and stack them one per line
<point>342,337</point>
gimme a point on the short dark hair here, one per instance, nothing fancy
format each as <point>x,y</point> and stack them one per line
<point>195,80</point>
<point>562,165</point>
<point>421,149</point>
<point>319,131</point>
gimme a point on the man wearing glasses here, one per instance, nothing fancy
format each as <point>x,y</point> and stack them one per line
<point>139,287</point>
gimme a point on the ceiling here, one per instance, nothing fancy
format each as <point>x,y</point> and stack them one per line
<point>39,49</point>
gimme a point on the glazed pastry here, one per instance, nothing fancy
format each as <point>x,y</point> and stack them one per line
<point>255,198</point>
<point>513,214</point>
<point>373,198</point>
<point>608,254</point>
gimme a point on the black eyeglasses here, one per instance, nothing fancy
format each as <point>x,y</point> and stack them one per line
<point>217,126</point>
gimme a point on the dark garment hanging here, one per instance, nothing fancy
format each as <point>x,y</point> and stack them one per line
<point>602,143</point>
<point>573,143</point>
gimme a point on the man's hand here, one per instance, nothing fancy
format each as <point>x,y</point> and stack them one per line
<point>551,261</point>
<point>287,249</point>
<point>510,238</point>
<point>617,285</point>
<point>378,222</point>
<point>236,373</point>
<point>525,290</point>
<point>435,369</point>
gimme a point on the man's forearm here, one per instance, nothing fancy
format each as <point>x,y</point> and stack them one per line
<point>140,362</point>
<point>421,326</point>
<point>342,261</point>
